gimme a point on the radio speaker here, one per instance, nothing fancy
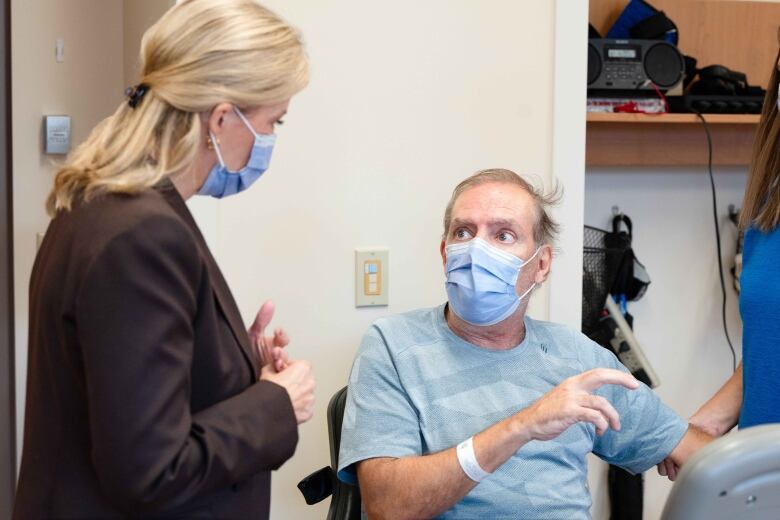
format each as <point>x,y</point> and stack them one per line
<point>633,64</point>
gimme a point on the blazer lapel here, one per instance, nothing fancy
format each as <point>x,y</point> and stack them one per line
<point>218,284</point>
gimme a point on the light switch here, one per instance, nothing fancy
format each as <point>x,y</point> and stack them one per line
<point>371,277</point>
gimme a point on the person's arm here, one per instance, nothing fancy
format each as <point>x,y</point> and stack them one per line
<point>716,417</point>
<point>693,440</point>
<point>426,486</point>
<point>134,317</point>
<point>721,413</point>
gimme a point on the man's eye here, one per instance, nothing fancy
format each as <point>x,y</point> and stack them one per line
<point>462,234</point>
<point>505,237</point>
<point>279,122</point>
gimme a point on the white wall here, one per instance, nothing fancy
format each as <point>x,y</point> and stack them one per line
<point>87,86</point>
<point>678,322</point>
<point>405,101</point>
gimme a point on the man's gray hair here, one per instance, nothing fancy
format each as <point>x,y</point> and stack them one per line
<point>545,228</point>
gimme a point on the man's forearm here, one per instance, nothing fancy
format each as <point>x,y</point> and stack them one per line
<point>426,486</point>
<point>721,412</point>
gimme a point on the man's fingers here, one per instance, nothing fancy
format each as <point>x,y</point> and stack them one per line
<point>661,467</point>
<point>602,405</point>
<point>596,378</point>
<point>596,418</point>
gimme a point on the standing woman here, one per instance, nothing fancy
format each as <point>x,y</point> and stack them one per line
<point>145,395</point>
<point>752,395</point>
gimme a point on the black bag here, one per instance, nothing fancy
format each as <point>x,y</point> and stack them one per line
<point>631,278</point>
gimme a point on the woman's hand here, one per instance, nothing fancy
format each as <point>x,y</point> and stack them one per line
<point>275,365</point>
<point>298,379</point>
<point>667,468</point>
<point>715,418</point>
<point>270,349</point>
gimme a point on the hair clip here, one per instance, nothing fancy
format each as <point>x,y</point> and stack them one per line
<point>136,94</point>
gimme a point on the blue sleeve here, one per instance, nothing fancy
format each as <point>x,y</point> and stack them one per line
<point>650,430</point>
<point>379,419</point>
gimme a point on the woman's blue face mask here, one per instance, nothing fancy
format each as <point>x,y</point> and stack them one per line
<point>221,182</point>
<point>481,282</point>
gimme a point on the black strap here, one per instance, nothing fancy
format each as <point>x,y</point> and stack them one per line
<point>625,220</point>
<point>653,27</point>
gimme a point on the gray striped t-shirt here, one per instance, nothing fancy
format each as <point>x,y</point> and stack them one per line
<point>417,388</point>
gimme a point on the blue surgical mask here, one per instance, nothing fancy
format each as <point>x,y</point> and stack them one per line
<point>221,182</point>
<point>481,282</point>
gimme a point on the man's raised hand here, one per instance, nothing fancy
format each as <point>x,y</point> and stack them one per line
<point>572,401</point>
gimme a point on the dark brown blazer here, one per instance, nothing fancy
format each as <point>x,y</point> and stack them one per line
<point>142,391</point>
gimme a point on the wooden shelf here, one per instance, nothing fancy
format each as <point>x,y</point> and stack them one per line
<point>715,119</point>
<point>740,34</point>
<point>668,139</point>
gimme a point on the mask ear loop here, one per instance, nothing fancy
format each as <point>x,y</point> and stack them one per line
<point>533,255</point>
<point>533,286</point>
<point>245,121</point>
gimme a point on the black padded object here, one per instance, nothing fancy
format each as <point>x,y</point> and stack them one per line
<point>345,504</point>
<point>653,27</point>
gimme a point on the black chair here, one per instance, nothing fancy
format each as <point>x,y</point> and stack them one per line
<point>345,504</point>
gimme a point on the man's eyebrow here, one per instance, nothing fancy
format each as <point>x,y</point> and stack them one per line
<point>461,222</point>
<point>503,222</point>
<point>493,223</point>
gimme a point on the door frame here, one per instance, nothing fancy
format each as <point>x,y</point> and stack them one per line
<point>7,359</point>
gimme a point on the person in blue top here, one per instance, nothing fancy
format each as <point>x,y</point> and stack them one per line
<point>472,409</point>
<point>752,395</point>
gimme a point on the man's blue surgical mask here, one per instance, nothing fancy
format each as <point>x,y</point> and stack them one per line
<point>481,282</point>
<point>221,182</point>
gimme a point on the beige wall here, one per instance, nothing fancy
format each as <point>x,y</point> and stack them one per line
<point>87,86</point>
<point>138,15</point>
<point>406,99</point>
<point>102,39</point>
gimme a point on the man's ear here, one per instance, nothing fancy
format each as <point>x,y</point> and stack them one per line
<point>216,120</point>
<point>545,264</point>
<point>443,252</point>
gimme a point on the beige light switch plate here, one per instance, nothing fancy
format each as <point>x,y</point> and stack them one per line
<point>371,277</point>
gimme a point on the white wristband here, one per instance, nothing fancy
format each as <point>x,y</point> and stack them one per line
<point>468,461</point>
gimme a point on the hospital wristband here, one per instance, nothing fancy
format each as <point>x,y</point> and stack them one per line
<point>468,461</point>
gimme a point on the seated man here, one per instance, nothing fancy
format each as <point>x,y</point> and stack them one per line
<point>472,409</point>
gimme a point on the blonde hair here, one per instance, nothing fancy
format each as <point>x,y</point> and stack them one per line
<point>199,54</point>
<point>545,228</point>
<point>761,205</point>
